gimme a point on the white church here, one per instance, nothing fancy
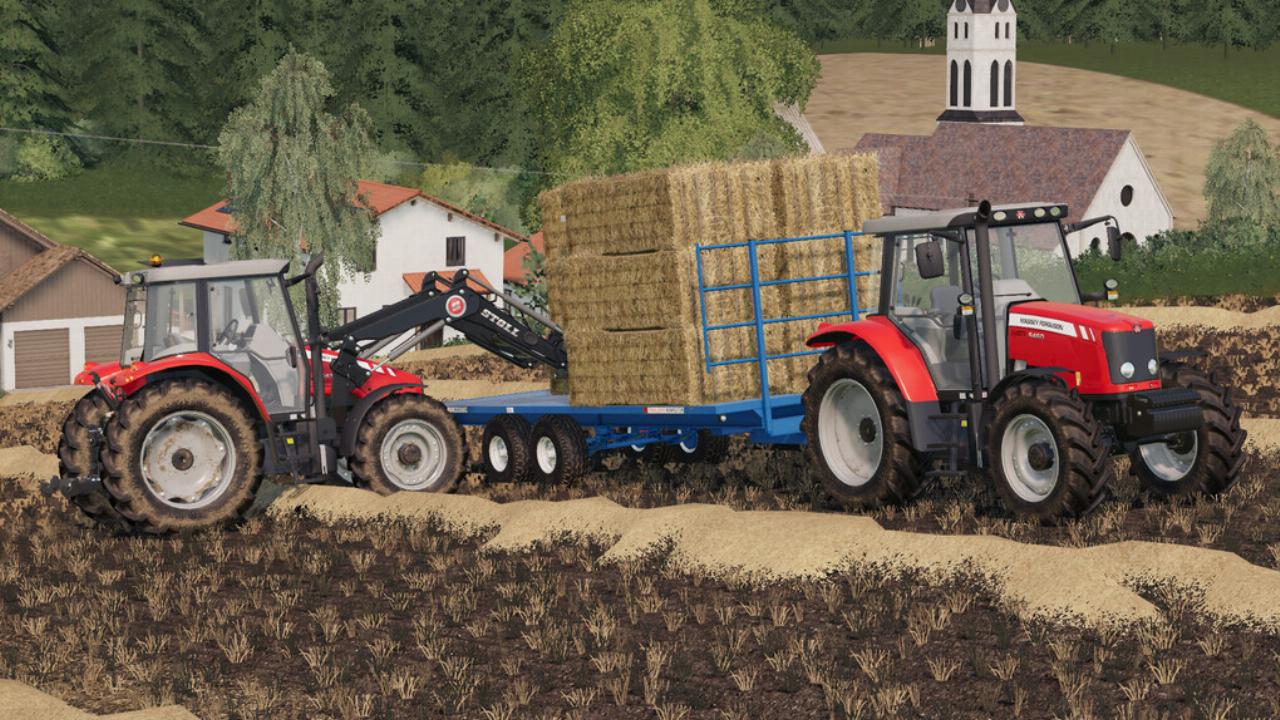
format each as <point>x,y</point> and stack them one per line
<point>982,149</point>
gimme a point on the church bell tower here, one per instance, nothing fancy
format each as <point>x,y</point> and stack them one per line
<point>982,57</point>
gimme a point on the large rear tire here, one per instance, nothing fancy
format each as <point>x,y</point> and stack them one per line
<point>1046,451</point>
<point>408,443</point>
<point>181,454</point>
<point>76,457</point>
<point>1207,460</point>
<point>856,423</point>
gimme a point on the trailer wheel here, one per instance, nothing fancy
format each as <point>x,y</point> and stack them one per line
<point>704,447</point>
<point>558,448</point>
<point>76,457</point>
<point>505,447</point>
<point>856,423</point>
<point>181,454</point>
<point>408,442</point>
<point>1047,454</point>
<point>1207,460</point>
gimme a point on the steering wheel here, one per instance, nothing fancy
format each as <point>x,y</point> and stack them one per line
<point>228,333</point>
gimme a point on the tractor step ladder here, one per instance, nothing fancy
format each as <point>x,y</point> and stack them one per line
<point>952,448</point>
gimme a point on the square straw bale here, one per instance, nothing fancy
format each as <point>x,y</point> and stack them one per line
<point>554,224</point>
<point>641,367</point>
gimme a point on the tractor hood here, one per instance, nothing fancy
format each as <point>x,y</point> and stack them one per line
<point>1109,352</point>
<point>1074,319</point>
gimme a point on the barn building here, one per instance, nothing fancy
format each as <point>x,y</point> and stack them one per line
<point>59,307</point>
<point>417,234</point>
<point>982,149</point>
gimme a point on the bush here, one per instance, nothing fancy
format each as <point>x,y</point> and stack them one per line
<point>1222,258</point>
<point>44,157</point>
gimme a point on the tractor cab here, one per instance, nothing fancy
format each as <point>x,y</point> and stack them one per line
<point>983,359</point>
<point>238,313</point>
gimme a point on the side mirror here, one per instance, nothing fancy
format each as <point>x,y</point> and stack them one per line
<point>929,260</point>
<point>1115,241</point>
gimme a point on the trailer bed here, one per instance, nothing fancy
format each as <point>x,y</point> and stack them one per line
<point>728,418</point>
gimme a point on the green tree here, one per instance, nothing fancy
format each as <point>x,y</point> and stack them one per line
<point>136,61</point>
<point>1225,23</point>
<point>633,84</point>
<point>1242,177</point>
<point>32,91</point>
<point>292,166</point>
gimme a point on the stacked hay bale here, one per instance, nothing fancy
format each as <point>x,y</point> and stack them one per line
<point>622,279</point>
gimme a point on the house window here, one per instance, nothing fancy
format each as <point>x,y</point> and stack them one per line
<point>1126,195</point>
<point>997,31</point>
<point>455,251</point>
<point>966,31</point>
<point>1006,31</point>
<point>955,30</point>
<point>347,314</point>
<point>968,84</point>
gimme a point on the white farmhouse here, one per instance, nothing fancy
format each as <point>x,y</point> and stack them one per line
<point>982,150</point>
<point>417,234</point>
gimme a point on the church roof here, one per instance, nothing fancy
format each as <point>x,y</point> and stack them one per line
<point>982,7</point>
<point>961,163</point>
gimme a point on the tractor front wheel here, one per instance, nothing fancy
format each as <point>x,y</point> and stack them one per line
<point>408,443</point>
<point>1047,454</point>
<point>856,422</point>
<point>1207,460</point>
<point>181,454</point>
<point>77,456</point>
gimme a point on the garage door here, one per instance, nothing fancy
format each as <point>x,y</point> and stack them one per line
<point>102,344</point>
<point>42,358</point>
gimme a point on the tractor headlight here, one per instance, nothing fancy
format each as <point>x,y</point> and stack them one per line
<point>1126,370</point>
<point>1152,366</point>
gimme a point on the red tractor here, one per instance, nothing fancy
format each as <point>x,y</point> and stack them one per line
<point>982,358</point>
<point>217,387</point>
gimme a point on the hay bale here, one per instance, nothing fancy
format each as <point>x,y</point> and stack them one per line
<point>638,367</point>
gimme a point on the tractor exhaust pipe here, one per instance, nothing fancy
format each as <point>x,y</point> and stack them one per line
<point>986,292</point>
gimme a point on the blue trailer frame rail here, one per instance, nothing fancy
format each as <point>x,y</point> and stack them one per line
<point>770,419</point>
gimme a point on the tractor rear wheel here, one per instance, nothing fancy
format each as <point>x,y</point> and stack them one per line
<point>856,423</point>
<point>76,457</point>
<point>181,454</point>
<point>1047,454</point>
<point>506,449</point>
<point>1207,460</point>
<point>408,443</point>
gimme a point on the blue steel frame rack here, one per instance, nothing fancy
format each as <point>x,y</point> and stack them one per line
<point>770,419</point>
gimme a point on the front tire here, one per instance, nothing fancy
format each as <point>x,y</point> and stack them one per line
<point>181,454</point>
<point>856,423</point>
<point>1047,456</point>
<point>410,443</point>
<point>76,457</point>
<point>1207,460</point>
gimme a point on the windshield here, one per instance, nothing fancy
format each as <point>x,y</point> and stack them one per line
<point>170,320</point>
<point>1032,257</point>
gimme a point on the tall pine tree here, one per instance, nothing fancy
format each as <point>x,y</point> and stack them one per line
<point>32,91</point>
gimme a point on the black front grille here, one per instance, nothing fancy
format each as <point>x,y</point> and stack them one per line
<point>1138,348</point>
<point>1163,412</point>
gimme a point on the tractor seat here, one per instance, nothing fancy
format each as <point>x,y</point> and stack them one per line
<point>269,362</point>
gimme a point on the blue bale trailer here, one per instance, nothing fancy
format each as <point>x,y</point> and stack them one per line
<point>771,419</point>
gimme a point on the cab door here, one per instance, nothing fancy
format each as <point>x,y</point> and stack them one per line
<point>927,310</point>
<point>251,330</point>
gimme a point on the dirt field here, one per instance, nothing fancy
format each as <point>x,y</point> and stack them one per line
<point>861,93</point>
<point>669,591</point>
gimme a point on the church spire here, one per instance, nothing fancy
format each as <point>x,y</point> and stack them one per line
<point>982,55</point>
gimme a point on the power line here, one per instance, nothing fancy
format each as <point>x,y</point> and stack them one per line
<point>199,146</point>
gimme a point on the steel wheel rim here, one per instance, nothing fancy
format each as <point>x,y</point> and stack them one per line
<point>1167,464</point>
<point>546,452</point>
<point>197,441</point>
<point>499,454</point>
<point>847,408</point>
<point>1027,482</point>
<point>429,442</point>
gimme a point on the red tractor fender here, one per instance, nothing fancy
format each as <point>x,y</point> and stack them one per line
<point>127,380</point>
<point>905,363</point>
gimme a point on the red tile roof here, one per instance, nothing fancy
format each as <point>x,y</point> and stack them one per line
<point>513,260</point>
<point>965,162</point>
<point>414,280</point>
<point>381,198</point>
